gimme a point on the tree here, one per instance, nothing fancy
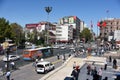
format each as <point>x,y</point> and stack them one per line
<point>17,33</point>
<point>86,34</point>
<point>5,30</point>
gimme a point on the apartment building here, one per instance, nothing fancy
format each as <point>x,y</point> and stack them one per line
<point>46,27</point>
<point>75,22</point>
<point>112,24</point>
<point>64,33</point>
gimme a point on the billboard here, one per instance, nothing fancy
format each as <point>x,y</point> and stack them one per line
<point>31,25</point>
<point>68,20</point>
<point>71,20</point>
<point>117,35</point>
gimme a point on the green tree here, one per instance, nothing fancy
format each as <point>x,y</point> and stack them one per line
<point>86,34</point>
<point>17,33</point>
<point>5,29</point>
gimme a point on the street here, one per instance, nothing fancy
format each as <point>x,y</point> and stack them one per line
<point>26,68</point>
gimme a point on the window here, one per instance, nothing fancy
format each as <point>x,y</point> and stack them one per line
<point>26,52</point>
<point>40,66</point>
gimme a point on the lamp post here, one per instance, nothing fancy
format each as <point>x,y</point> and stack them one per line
<point>7,52</point>
<point>48,10</point>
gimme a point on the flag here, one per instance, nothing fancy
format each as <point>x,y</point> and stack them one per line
<point>98,24</point>
<point>101,24</point>
<point>104,24</point>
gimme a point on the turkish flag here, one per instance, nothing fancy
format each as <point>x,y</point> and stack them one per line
<point>98,24</point>
<point>104,24</point>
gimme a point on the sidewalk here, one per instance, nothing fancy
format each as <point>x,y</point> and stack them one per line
<point>66,69</point>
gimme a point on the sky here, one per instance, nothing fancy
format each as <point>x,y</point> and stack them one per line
<point>33,11</point>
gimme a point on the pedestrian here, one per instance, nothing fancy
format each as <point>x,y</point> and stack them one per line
<point>114,63</point>
<point>74,74</point>
<point>105,65</point>
<point>6,67</point>
<point>36,60</point>
<point>74,64</point>
<point>41,59</point>
<point>78,68</point>
<point>63,58</point>
<point>58,56</point>
<point>8,75</point>
<point>110,59</point>
<point>92,68</point>
<point>106,78</point>
<point>88,69</point>
<point>100,74</point>
<point>96,76</point>
<point>12,65</point>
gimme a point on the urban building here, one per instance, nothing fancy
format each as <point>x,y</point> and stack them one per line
<point>76,23</point>
<point>67,30</point>
<point>41,27</point>
<point>64,33</point>
<point>111,25</point>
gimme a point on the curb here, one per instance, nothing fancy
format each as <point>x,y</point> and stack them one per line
<point>56,70</point>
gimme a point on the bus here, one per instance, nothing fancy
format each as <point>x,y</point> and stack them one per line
<point>32,54</point>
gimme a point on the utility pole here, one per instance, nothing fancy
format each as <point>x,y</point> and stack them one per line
<point>48,10</point>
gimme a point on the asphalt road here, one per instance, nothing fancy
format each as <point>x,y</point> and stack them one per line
<point>26,70</point>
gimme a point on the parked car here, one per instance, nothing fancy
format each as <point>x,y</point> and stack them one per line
<point>11,58</point>
<point>44,67</point>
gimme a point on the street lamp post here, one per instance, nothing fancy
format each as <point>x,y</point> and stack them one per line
<point>7,52</point>
<point>48,10</point>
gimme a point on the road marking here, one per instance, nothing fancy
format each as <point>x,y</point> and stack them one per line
<point>56,61</point>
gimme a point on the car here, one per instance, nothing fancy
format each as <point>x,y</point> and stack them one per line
<point>11,58</point>
<point>62,47</point>
<point>44,67</point>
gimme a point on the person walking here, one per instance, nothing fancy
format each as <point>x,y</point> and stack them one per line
<point>100,74</point>
<point>74,74</point>
<point>110,59</point>
<point>74,64</point>
<point>8,75</point>
<point>63,58</point>
<point>92,68</point>
<point>114,63</point>
<point>12,65</point>
<point>58,56</point>
<point>95,76</point>
<point>88,69</point>
<point>105,65</point>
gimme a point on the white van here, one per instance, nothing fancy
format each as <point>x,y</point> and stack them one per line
<point>44,67</point>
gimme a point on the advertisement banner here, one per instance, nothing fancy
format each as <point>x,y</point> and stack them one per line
<point>71,20</point>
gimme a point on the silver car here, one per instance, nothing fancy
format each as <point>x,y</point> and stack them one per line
<point>11,58</point>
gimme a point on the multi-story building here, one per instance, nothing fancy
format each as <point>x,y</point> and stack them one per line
<point>64,33</point>
<point>112,24</point>
<point>75,22</point>
<point>46,27</point>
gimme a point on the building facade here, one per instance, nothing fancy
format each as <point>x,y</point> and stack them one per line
<point>64,33</point>
<point>75,22</point>
<point>112,24</point>
<point>46,28</point>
